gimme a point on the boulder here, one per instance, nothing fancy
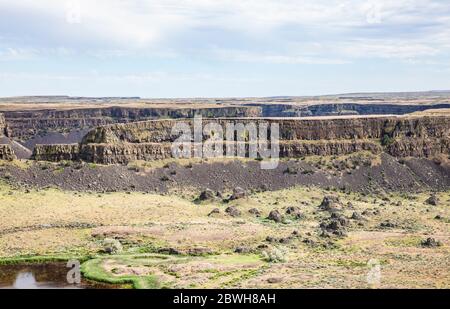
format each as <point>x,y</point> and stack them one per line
<point>214,212</point>
<point>431,243</point>
<point>112,246</point>
<point>233,211</point>
<point>432,200</point>
<point>206,195</point>
<point>335,225</point>
<point>238,193</point>
<point>275,215</point>
<point>330,203</point>
<point>243,250</point>
<point>357,216</point>
<point>294,211</point>
<point>255,212</point>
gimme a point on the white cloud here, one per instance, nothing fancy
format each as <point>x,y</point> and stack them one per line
<point>389,49</point>
<point>329,31</point>
<point>29,53</point>
<point>267,57</point>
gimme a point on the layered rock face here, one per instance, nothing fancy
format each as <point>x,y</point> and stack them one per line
<point>333,109</point>
<point>411,147</point>
<point>295,149</point>
<point>56,153</point>
<point>152,140</point>
<point>25,125</point>
<point>3,129</point>
<point>290,129</point>
<point>125,153</point>
<point>6,151</point>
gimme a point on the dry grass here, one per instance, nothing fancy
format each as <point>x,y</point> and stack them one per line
<point>45,223</point>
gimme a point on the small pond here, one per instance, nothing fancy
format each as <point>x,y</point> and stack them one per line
<point>42,276</point>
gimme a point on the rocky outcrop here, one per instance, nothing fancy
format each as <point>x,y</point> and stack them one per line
<point>56,153</point>
<point>125,153</point>
<point>4,131</point>
<point>419,147</point>
<point>295,149</point>
<point>6,152</point>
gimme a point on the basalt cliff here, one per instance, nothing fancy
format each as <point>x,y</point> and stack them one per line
<point>26,125</point>
<point>6,151</point>
<point>403,136</point>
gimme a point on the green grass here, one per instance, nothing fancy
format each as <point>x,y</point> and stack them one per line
<point>411,241</point>
<point>93,270</point>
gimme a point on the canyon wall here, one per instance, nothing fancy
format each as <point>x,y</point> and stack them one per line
<point>29,124</point>
<point>334,109</point>
<point>125,153</point>
<point>290,129</point>
<point>25,125</point>
<point>151,140</point>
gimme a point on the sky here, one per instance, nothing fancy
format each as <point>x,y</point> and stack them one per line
<point>222,48</point>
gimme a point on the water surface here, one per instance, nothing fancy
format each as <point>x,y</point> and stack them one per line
<point>42,276</point>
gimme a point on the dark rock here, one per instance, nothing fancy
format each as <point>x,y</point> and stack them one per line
<point>243,250</point>
<point>309,241</point>
<point>291,171</point>
<point>431,243</point>
<point>285,240</point>
<point>233,211</point>
<point>388,224</point>
<point>238,193</point>
<point>294,211</point>
<point>271,239</point>
<point>335,226</point>
<point>275,215</point>
<point>214,211</point>
<point>356,216</point>
<point>255,211</point>
<point>330,203</point>
<point>432,200</point>
<point>199,251</point>
<point>264,188</point>
<point>342,220</point>
<point>172,251</point>
<point>206,195</point>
